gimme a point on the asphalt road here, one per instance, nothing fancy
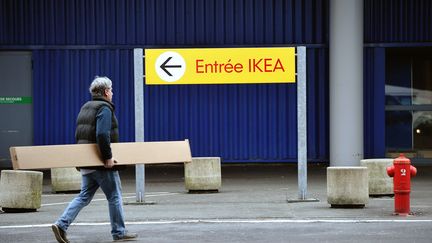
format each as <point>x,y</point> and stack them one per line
<point>250,207</point>
<point>238,231</point>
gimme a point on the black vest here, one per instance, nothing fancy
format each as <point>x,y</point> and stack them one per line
<point>86,126</point>
<point>86,122</point>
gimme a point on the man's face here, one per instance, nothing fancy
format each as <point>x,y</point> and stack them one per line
<point>109,94</point>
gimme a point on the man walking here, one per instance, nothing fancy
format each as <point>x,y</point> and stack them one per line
<point>97,123</point>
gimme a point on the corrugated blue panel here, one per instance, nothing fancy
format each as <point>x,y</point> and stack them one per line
<point>61,81</point>
<point>237,122</point>
<point>163,22</point>
<point>374,102</point>
<point>242,122</point>
<point>398,21</point>
<point>318,106</point>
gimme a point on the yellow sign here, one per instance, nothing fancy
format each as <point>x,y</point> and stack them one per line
<point>220,66</point>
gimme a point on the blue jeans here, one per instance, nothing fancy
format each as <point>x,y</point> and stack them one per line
<point>109,182</point>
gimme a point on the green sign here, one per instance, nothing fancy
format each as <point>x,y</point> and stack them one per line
<point>15,100</point>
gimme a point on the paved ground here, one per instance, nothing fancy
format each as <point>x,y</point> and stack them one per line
<point>251,207</point>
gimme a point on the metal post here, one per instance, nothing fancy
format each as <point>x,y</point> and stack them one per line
<point>301,127</point>
<point>301,122</point>
<point>139,120</point>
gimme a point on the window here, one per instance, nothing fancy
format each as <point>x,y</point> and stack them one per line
<point>409,101</point>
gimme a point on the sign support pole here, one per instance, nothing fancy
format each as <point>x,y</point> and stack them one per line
<point>172,71</point>
<point>139,122</point>
<point>301,127</point>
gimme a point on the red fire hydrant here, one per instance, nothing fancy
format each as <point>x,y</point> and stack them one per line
<point>402,171</point>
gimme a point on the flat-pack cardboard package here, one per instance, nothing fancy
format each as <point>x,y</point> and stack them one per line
<point>79,155</point>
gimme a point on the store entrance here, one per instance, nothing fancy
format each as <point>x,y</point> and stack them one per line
<point>408,93</point>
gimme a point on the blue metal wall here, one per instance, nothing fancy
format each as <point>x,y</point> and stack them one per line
<point>374,102</point>
<point>236,122</point>
<point>75,40</point>
<point>209,22</point>
<point>82,38</point>
<point>61,80</point>
<point>241,122</point>
<point>398,21</point>
<point>163,22</point>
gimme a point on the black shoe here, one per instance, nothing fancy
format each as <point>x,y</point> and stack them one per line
<point>59,234</point>
<point>126,237</point>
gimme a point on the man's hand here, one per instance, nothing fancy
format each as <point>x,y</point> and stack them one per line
<point>109,163</point>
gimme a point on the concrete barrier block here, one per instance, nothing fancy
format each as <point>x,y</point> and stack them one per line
<point>423,154</point>
<point>347,186</point>
<point>408,154</point>
<point>65,179</point>
<point>203,174</point>
<point>20,190</point>
<point>379,182</point>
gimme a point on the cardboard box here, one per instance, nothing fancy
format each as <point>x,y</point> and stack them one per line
<point>78,155</point>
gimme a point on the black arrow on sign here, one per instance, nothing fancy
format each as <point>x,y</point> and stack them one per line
<point>164,66</point>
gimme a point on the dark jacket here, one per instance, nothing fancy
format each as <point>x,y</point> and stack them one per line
<point>97,123</point>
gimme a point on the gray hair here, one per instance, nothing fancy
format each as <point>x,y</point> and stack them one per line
<point>99,85</point>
